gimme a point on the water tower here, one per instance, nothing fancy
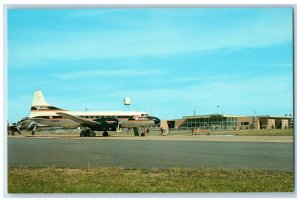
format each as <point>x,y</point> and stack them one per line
<point>127,101</point>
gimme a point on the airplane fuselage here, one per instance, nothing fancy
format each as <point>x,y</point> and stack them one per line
<point>56,122</point>
<point>48,115</point>
<point>136,123</point>
<point>50,118</point>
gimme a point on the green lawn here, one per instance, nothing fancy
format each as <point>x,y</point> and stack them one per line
<point>119,180</point>
<point>274,132</point>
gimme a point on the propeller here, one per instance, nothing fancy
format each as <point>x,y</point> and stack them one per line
<point>18,129</point>
<point>20,125</point>
<point>14,128</point>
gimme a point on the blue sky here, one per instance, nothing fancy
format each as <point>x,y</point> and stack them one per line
<point>170,61</point>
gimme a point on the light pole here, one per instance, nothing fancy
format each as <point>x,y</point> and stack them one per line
<point>254,120</point>
<point>218,116</point>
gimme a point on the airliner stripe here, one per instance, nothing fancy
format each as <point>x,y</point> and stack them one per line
<point>51,119</point>
<point>47,110</point>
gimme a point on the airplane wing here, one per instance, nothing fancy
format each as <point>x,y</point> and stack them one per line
<point>78,119</point>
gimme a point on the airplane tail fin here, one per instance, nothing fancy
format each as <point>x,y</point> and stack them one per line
<point>39,100</point>
<point>40,107</point>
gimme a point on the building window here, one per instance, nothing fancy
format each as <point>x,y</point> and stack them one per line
<point>244,123</point>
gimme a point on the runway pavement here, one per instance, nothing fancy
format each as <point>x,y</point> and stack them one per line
<point>118,152</point>
<point>210,138</point>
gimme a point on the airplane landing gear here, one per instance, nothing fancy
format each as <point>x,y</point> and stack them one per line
<point>140,132</point>
<point>90,133</point>
<point>87,133</point>
<point>144,131</point>
<point>105,134</point>
<point>34,126</point>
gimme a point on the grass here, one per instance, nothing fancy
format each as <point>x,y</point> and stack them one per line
<point>119,180</point>
<point>274,132</point>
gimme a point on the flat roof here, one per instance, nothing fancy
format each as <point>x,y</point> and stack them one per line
<point>233,115</point>
<point>281,117</point>
<point>212,115</point>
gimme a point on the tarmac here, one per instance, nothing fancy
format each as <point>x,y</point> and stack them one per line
<point>214,138</point>
<point>222,138</point>
<point>237,152</point>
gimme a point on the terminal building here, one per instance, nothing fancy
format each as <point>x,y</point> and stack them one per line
<point>231,122</point>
